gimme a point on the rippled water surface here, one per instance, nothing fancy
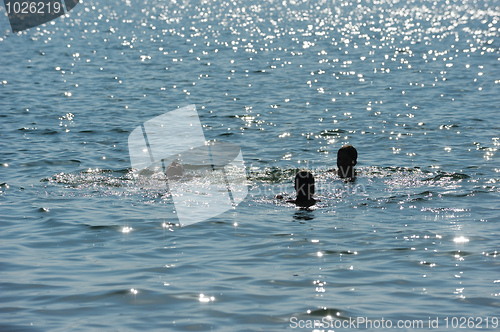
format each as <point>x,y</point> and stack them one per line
<point>413,85</point>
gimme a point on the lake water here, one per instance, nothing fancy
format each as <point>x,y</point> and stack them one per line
<point>413,85</point>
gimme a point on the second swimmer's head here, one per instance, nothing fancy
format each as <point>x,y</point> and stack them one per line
<point>347,157</point>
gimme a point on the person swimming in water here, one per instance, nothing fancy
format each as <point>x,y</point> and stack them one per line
<point>175,170</point>
<point>304,186</point>
<point>346,160</point>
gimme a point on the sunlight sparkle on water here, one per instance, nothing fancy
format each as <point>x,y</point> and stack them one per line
<point>204,298</point>
<point>460,239</point>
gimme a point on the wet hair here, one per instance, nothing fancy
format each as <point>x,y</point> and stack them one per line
<point>304,185</point>
<point>346,160</point>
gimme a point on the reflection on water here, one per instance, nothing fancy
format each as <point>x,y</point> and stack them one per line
<point>303,215</point>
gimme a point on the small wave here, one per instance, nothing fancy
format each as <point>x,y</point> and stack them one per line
<point>332,132</point>
<point>331,312</point>
<point>448,176</point>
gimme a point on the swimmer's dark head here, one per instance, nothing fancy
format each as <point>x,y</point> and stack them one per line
<point>347,157</point>
<point>304,185</point>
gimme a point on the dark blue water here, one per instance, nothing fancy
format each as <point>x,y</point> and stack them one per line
<point>413,86</point>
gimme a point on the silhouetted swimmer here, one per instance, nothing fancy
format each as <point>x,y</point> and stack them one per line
<point>175,170</point>
<point>346,160</point>
<point>304,186</point>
